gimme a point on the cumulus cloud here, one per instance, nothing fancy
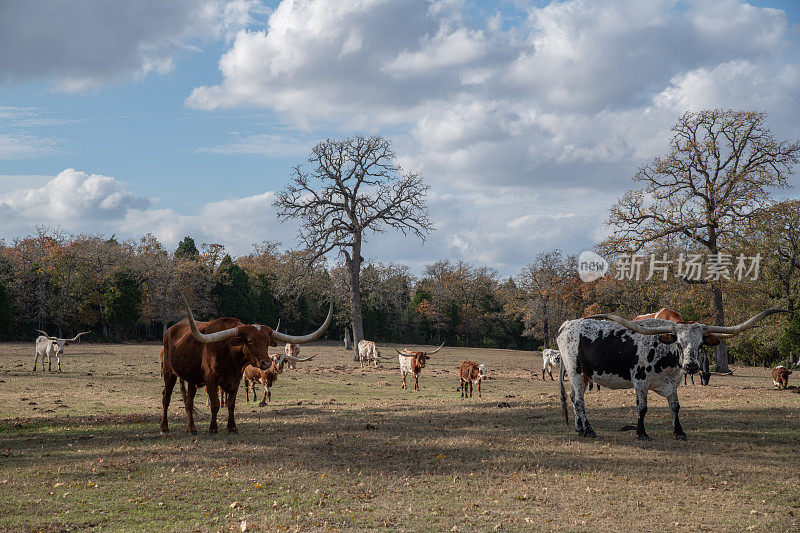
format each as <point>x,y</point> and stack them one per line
<point>72,196</point>
<point>562,103</point>
<point>81,45</point>
<point>93,203</point>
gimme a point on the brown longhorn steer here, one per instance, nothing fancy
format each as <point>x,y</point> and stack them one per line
<point>213,354</point>
<point>413,363</point>
<point>471,372</point>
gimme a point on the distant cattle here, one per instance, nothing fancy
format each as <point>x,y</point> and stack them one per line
<point>643,355</point>
<point>550,360</point>
<point>412,363</point>
<point>368,352</point>
<point>664,314</point>
<point>213,354</point>
<point>52,346</point>
<point>471,373</point>
<point>292,351</point>
<point>780,377</point>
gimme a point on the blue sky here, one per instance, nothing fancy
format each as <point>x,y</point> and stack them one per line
<point>528,119</point>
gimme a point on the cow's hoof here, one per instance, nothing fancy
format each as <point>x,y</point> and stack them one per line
<point>681,436</point>
<point>165,433</point>
<point>643,436</point>
<point>233,430</point>
<point>262,404</point>
<point>212,431</point>
<point>194,431</point>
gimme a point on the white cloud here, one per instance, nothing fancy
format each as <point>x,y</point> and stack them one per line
<point>72,196</point>
<point>80,202</point>
<point>87,44</point>
<point>558,108</point>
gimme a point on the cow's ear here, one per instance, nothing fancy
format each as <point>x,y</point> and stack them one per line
<point>710,340</point>
<point>789,372</point>
<point>667,338</point>
<point>66,344</point>
<point>237,341</point>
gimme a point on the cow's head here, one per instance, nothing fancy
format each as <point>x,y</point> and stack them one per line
<point>254,340</point>
<point>689,336</point>
<point>482,371</point>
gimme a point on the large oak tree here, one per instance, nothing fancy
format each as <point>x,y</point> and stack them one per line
<point>719,171</point>
<point>352,189</point>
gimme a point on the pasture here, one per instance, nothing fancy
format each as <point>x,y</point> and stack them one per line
<point>343,448</point>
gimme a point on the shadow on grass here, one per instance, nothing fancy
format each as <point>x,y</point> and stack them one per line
<point>418,439</point>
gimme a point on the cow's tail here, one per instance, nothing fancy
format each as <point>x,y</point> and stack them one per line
<point>562,391</point>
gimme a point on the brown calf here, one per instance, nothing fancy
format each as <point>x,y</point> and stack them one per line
<point>471,372</point>
<point>780,377</point>
<point>253,375</point>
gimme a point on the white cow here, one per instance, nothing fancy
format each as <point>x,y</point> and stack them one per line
<point>550,360</point>
<point>367,351</point>
<point>50,346</point>
<point>292,351</point>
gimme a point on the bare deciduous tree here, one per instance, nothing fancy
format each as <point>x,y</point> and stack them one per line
<point>544,281</point>
<point>354,188</point>
<point>719,171</point>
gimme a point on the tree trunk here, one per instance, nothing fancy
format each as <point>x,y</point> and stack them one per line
<point>722,348</point>
<point>356,318</point>
<point>348,338</point>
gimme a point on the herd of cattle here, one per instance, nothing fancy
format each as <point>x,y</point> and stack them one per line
<point>650,352</point>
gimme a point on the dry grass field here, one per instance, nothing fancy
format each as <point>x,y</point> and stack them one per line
<point>340,448</point>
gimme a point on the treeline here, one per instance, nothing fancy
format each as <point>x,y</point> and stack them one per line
<point>130,291</point>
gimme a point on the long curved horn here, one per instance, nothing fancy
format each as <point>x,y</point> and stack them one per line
<point>48,336</point>
<point>436,350</point>
<point>401,353</point>
<point>735,330</point>
<point>303,339</point>
<point>300,359</point>
<point>636,326</point>
<point>76,337</point>
<point>207,337</point>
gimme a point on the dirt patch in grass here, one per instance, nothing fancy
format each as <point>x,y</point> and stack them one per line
<point>346,448</point>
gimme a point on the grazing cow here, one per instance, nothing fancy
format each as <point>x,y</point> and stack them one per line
<point>368,351</point>
<point>292,352</point>
<point>664,314</point>
<point>471,372</point>
<point>780,377</point>
<point>673,316</point>
<point>550,360</point>
<point>50,346</point>
<point>253,375</point>
<point>644,355</point>
<point>413,363</point>
<point>213,354</point>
